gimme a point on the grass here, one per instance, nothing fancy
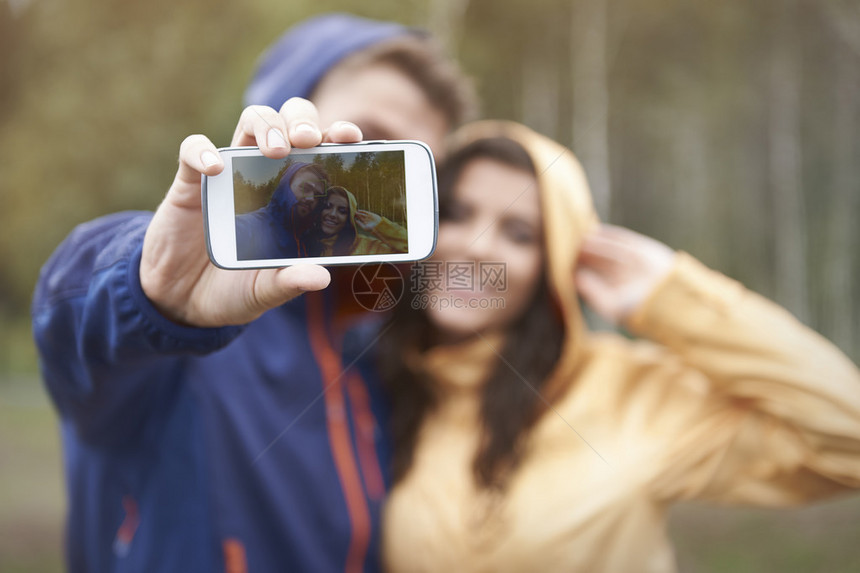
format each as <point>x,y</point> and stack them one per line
<point>31,485</point>
<point>821,538</point>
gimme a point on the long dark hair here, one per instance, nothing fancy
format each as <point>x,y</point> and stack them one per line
<point>510,403</point>
<point>346,236</point>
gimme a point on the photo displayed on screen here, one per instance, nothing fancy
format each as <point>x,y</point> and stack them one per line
<point>320,205</point>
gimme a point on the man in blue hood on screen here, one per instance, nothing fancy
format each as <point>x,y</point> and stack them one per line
<point>208,423</point>
<point>275,231</point>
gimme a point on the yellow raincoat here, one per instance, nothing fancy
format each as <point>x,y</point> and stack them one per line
<point>730,399</point>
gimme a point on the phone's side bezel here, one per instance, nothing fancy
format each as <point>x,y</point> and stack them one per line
<point>204,200</point>
<point>225,217</point>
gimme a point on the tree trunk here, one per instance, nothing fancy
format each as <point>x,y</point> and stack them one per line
<point>540,91</point>
<point>790,228</point>
<point>591,97</point>
<point>446,22</point>
<point>690,174</point>
<point>840,255</point>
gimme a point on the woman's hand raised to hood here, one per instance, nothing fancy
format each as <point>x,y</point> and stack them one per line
<point>175,271</point>
<point>366,220</point>
<point>618,269</point>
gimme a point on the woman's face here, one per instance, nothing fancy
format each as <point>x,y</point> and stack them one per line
<point>334,214</point>
<point>494,228</point>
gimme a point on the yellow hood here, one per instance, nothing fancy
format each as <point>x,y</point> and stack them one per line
<point>568,215</point>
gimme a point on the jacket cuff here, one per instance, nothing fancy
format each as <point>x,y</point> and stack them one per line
<point>164,334</point>
<point>689,298</point>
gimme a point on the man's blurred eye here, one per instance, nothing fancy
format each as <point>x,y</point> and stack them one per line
<point>455,212</point>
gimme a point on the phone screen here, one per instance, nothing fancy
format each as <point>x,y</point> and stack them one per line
<point>320,205</point>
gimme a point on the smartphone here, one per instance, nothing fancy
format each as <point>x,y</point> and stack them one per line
<point>334,204</point>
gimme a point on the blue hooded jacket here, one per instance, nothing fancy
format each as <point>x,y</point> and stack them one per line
<point>268,232</point>
<point>254,448</point>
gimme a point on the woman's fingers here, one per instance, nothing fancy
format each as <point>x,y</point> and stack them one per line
<point>263,127</point>
<point>593,288</point>
<point>618,268</point>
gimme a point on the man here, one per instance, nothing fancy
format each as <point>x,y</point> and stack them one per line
<point>197,432</point>
<point>308,185</point>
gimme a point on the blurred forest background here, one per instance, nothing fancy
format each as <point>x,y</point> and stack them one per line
<point>376,179</point>
<point>728,129</point>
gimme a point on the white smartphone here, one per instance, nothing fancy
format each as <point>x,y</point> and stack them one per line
<point>333,204</point>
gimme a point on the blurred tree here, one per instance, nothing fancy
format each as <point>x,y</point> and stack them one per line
<point>840,251</point>
<point>591,96</point>
<point>785,160</point>
<point>727,129</point>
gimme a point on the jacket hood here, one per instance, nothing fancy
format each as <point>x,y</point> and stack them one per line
<point>568,215</point>
<point>305,53</point>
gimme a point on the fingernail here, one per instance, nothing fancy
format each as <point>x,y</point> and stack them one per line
<point>209,159</point>
<point>347,125</point>
<point>305,128</point>
<point>275,138</point>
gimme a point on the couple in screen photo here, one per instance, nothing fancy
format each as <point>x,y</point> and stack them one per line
<point>308,216</point>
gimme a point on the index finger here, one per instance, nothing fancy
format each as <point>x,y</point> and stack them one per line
<point>261,126</point>
<point>302,121</point>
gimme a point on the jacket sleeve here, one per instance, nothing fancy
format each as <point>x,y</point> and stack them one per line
<point>765,410</point>
<point>109,359</point>
<point>393,235</point>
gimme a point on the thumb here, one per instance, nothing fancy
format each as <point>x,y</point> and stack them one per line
<point>304,277</point>
<point>275,287</point>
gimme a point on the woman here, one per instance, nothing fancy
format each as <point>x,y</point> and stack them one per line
<point>338,220</point>
<point>524,442</point>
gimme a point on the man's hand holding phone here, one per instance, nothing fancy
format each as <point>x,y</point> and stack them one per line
<point>175,271</point>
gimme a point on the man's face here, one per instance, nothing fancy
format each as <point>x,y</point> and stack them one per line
<point>308,188</point>
<point>384,103</point>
